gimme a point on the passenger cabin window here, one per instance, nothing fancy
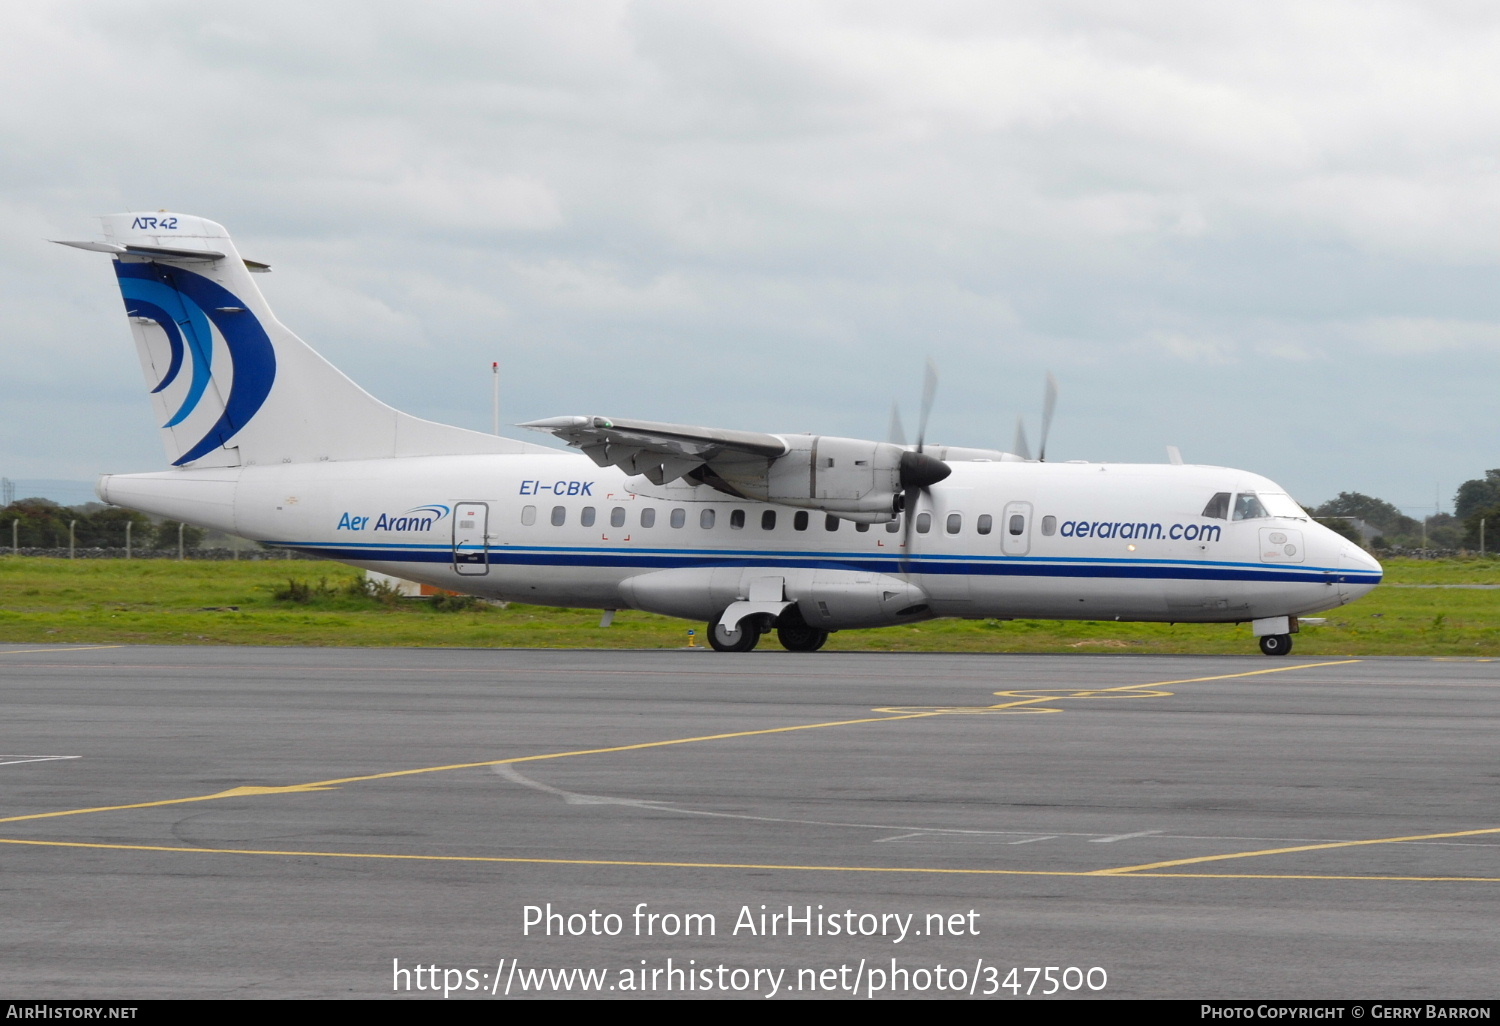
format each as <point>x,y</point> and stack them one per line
<point>894,526</point>
<point>737,520</point>
<point>924,523</point>
<point>559,515</point>
<point>679,517</point>
<point>955,523</point>
<point>799,520</point>
<point>1017,524</point>
<point>528,515</point>
<point>1218,507</point>
<point>830,523</point>
<point>1248,507</point>
<point>706,519</point>
<point>861,526</point>
<point>586,516</point>
<point>648,516</point>
<point>984,524</point>
<point>617,517</point>
<point>1049,526</point>
<point>768,520</point>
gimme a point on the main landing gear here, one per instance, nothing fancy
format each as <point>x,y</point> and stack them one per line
<point>1276,644</point>
<point>744,639</point>
<point>794,633</point>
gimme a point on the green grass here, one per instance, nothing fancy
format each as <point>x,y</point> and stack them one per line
<point>90,601</point>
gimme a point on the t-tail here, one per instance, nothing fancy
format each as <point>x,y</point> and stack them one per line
<point>232,386</point>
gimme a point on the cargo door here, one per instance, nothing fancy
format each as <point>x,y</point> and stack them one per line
<point>471,551</point>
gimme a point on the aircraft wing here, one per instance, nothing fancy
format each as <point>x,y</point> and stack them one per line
<point>661,452</point>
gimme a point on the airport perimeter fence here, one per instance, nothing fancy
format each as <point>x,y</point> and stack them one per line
<point>222,555</point>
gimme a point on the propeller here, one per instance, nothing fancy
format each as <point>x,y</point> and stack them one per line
<point>897,433</point>
<point>1049,407</point>
<point>918,471</point>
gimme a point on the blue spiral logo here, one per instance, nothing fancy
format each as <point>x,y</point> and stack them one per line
<point>185,305</point>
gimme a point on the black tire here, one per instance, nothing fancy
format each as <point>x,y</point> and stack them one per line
<point>743,640</point>
<point>1276,644</point>
<point>797,636</point>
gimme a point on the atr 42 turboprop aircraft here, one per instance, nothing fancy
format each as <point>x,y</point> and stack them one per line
<point>806,534</point>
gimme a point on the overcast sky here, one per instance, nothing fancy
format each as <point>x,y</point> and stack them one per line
<point>1266,233</point>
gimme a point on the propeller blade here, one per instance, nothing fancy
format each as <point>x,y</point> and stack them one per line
<point>1021,449</point>
<point>910,500</point>
<point>1049,405</point>
<point>898,433</point>
<point>929,392</point>
<point>918,470</point>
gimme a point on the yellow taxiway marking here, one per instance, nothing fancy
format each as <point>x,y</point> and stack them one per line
<point>328,785</point>
<point>1028,698</point>
<point>1123,870</point>
<point>59,651</point>
<point>233,792</point>
<point>322,785</point>
<point>782,866</point>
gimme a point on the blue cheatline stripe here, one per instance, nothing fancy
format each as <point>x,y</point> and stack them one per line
<point>977,566</point>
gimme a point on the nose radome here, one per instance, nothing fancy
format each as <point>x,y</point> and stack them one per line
<point>1365,573</point>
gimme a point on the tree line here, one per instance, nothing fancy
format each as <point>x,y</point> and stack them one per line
<point>43,524</point>
<point>1476,500</point>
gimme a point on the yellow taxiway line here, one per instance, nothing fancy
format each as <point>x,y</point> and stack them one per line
<point>1023,697</point>
<point>321,785</point>
<point>785,867</point>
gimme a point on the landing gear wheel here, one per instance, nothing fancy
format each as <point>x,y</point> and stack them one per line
<point>742,640</point>
<point>1276,644</point>
<point>799,637</point>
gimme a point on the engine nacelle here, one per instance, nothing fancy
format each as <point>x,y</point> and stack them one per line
<point>850,477</point>
<point>827,599</point>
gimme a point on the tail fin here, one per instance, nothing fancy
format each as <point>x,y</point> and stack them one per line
<point>230,384</point>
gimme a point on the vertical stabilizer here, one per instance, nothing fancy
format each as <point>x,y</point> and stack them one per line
<point>229,383</point>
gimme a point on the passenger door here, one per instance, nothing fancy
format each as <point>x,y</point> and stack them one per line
<point>471,552</point>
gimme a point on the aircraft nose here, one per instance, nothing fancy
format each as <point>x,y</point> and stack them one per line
<point>1359,572</point>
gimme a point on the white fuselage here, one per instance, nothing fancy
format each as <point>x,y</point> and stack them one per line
<point>1002,539</point>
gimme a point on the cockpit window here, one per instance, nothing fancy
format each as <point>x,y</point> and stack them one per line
<point>1280,504</point>
<point>1218,507</point>
<point>1247,507</point>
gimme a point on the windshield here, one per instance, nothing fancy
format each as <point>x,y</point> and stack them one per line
<point>1257,505</point>
<point>1280,504</point>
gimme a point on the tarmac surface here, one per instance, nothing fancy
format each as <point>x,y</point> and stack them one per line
<point>280,822</point>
